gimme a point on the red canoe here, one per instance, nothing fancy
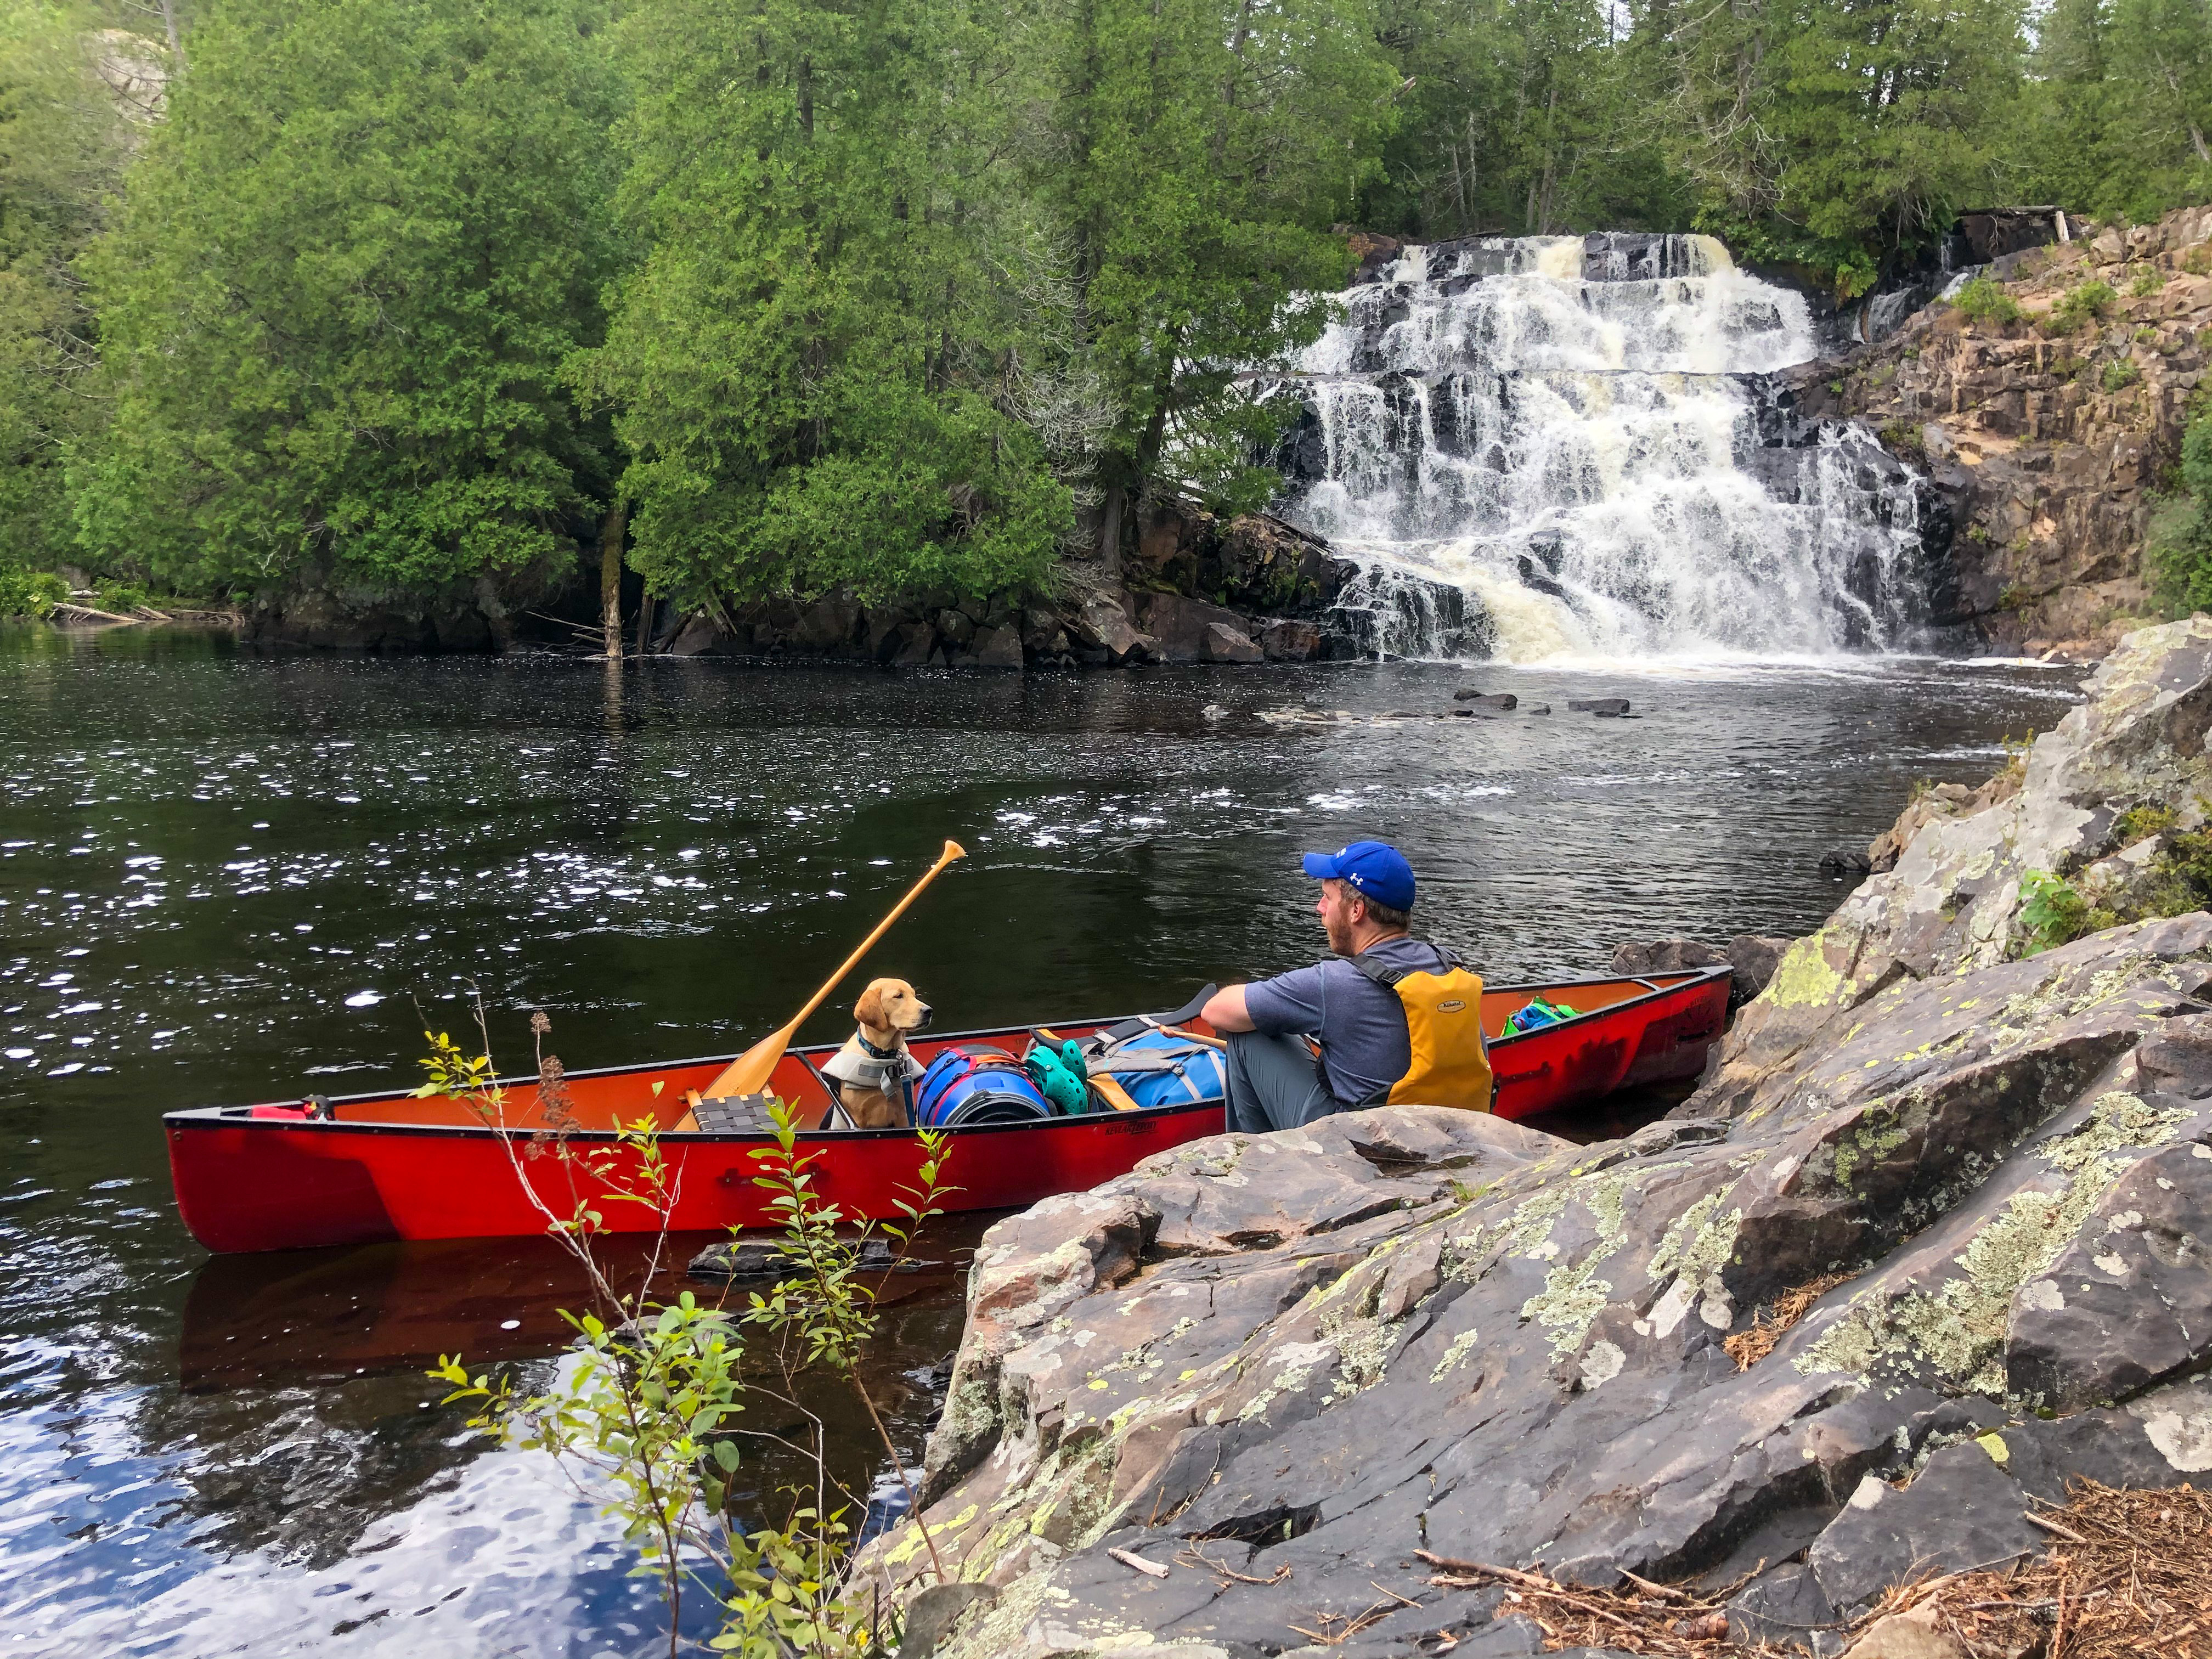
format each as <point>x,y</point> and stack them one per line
<point>274,1177</point>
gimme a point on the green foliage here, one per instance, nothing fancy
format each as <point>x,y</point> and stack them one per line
<point>2147,282</point>
<point>2142,822</point>
<point>1903,438</point>
<point>2179,550</point>
<point>1833,135</point>
<point>62,143</point>
<point>1986,301</point>
<point>2115,117</point>
<point>2197,261</point>
<point>2052,911</point>
<point>642,1410</point>
<point>1517,116</point>
<point>2118,374</point>
<point>809,366</point>
<point>30,593</point>
<point>2079,307</point>
<point>347,273</point>
<point>1191,156</point>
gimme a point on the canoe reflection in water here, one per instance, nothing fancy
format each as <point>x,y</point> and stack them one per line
<point>272,1322</point>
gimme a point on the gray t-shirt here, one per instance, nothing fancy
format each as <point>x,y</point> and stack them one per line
<point>1361,1025</point>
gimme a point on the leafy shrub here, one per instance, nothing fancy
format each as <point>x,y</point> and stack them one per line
<point>2141,823</point>
<point>2079,307</point>
<point>120,597</point>
<point>2146,284</point>
<point>2197,261</point>
<point>1986,301</point>
<point>1903,438</point>
<point>2052,912</point>
<point>2119,375</point>
<point>2179,550</point>
<point>30,593</point>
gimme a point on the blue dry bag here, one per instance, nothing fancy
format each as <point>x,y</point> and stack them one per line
<point>1158,1068</point>
<point>974,1083</point>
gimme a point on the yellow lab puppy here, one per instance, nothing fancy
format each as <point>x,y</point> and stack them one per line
<point>873,1069</point>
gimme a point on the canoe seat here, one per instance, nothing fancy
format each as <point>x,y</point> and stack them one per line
<point>740,1115</point>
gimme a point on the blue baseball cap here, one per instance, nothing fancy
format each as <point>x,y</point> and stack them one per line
<point>1377,869</point>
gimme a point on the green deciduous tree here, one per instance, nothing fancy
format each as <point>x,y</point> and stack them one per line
<point>63,142</point>
<point>1188,157</point>
<point>805,366</point>
<point>349,267</point>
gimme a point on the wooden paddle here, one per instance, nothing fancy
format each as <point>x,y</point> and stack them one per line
<point>748,1074</point>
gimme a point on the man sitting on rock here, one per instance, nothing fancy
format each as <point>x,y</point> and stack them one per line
<point>1355,1006</point>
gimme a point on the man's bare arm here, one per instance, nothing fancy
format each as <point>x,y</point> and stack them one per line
<point>1225,1012</point>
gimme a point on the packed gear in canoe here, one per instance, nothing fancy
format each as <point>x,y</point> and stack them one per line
<point>290,1174</point>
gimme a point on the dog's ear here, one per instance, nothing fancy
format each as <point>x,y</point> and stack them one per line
<point>869,1010</point>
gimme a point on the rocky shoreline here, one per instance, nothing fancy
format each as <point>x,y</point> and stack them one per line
<point>1192,589</point>
<point>1929,1243</point>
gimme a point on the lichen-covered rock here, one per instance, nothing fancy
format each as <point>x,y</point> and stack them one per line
<point>1952,897</point>
<point>1930,1243</point>
<point>1283,1363</point>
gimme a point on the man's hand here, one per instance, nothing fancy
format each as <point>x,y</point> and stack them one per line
<point>1224,1011</point>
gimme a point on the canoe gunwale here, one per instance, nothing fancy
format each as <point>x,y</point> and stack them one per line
<point>1687,981</point>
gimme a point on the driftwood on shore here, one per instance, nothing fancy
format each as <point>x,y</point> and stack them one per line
<point>141,615</point>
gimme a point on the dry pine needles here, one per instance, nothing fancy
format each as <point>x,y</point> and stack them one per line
<point>2129,1573</point>
<point>1747,1347</point>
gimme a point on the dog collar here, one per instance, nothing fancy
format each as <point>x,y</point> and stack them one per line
<point>871,1048</point>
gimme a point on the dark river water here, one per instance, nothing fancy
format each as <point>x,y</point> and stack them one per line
<point>227,877</point>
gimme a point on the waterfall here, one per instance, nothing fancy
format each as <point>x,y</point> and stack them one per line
<point>1582,437</point>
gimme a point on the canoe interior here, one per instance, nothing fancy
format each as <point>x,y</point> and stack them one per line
<point>602,1100</point>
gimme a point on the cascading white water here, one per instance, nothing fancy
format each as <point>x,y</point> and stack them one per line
<point>1578,434</point>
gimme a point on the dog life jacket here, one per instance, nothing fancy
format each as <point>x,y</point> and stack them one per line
<point>1443,1021</point>
<point>867,1066</point>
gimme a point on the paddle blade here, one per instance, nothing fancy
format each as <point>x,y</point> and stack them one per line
<point>748,1074</point>
<point>953,850</point>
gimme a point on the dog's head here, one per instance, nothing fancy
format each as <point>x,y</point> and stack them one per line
<point>890,1005</point>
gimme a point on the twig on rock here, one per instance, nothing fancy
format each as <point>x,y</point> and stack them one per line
<point>1130,1559</point>
<point>1196,1557</point>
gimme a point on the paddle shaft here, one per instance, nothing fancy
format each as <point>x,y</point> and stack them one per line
<point>748,1074</point>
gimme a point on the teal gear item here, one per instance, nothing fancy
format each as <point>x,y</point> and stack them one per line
<point>1062,1076</point>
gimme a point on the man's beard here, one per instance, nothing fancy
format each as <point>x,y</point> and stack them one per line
<point>1339,934</point>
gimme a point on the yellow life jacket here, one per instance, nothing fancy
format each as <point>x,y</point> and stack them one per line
<point>1443,1019</point>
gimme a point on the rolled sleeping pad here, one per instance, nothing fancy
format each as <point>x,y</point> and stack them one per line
<point>974,1083</point>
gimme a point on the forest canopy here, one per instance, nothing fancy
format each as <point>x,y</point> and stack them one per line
<point>889,296</point>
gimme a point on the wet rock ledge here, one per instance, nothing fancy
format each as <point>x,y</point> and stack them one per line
<point>1929,1242</point>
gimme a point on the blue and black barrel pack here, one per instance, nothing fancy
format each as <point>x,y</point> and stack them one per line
<point>976,1083</point>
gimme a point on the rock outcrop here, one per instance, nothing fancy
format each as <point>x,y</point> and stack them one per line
<point>2099,801</point>
<point>320,612</point>
<point>2047,445</point>
<point>1895,1271</point>
<point>1194,590</point>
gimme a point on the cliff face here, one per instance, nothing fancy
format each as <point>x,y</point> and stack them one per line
<point>2048,445</point>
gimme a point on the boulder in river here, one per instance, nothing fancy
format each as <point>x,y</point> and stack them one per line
<point>1605,708</point>
<point>1837,1323</point>
<point>1750,957</point>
